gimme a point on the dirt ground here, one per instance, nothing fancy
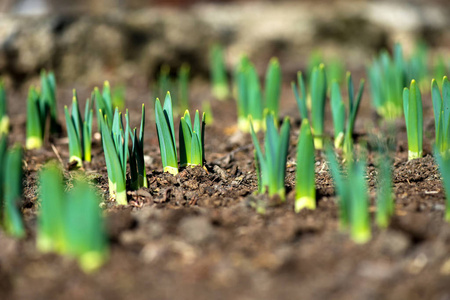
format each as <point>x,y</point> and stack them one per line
<point>197,235</point>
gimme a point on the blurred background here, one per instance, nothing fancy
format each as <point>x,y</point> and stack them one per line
<point>88,41</point>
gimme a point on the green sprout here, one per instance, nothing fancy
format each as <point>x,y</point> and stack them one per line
<point>70,223</point>
<point>443,162</point>
<point>387,80</point>
<point>220,89</point>
<point>84,227</point>
<point>273,87</point>
<point>353,197</point>
<point>4,119</point>
<point>36,120</point>
<point>249,96</point>
<point>191,137</point>
<point>412,107</point>
<point>48,97</point>
<point>166,135</point>
<point>3,152</point>
<point>12,190</point>
<point>104,105</point>
<point>250,99</point>
<point>271,165</point>
<point>318,93</point>
<point>305,188</point>
<point>137,163</point>
<point>343,133</point>
<point>385,200</point>
<point>441,108</point>
<point>79,132</point>
<point>115,148</point>
<point>51,229</point>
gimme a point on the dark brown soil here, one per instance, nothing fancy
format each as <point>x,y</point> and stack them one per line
<point>198,236</point>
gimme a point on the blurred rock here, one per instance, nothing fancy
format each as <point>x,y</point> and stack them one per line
<point>196,230</point>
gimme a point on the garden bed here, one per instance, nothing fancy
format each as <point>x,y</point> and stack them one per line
<point>197,235</point>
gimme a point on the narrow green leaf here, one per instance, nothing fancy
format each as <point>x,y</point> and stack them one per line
<point>273,86</point>
<point>51,230</point>
<point>12,219</point>
<point>34,124</point>
<point>166,139</point>
<point>75,150</point>
<point>305,189</point>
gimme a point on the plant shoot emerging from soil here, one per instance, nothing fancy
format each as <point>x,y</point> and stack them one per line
<point>271,164</point>
<point>318,94</point>
<point>115,148</point>
<point>79,132</point>
<point>441,109</point>
<point>166,135</point>
<point>353,197</point>
<point>11,179</point>
<point>305,183</point>
<point>138,173</point>
<point>70,223</point>
<point>191,137</point>
<point>343,133</point>
<point>412,107</point>
<point>4,119</point>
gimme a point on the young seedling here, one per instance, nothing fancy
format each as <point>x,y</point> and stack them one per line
<point>191,137</point>
<point>444,168</point>
<point>115,147</point>
<point>343,133</point>
<point>70,223</point>
<point>387,80</point>
<point>385,201</point>
<point>318,92</point>
<point>273,87</point>
<point>353,198</point>
<point>48,97</point>
<point>305,186</point>
<point>412,107</point>
<point>3,148</point>
<point>84,227</point>
<point>220,89</point>
<point>249,97</point>
<point>36,120</point>
<point>51,230</point>
<point>137,163</point>
<point>441,108</point>
<point>166,135</point>
<point>12,192</point>
<point>103,103</point>
<point>271,164</point>
<point>79,132</point>
<point>4,119</point>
